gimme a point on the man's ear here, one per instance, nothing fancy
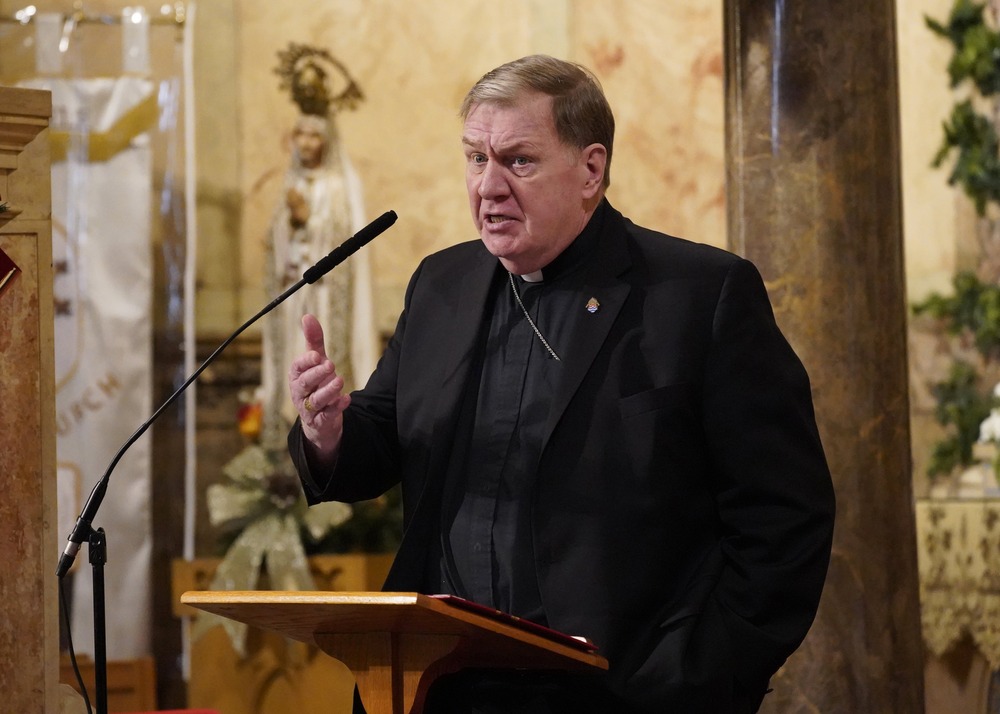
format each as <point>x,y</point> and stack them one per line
<point>594,159</point>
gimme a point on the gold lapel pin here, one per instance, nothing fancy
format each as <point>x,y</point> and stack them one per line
<point>593,306</point>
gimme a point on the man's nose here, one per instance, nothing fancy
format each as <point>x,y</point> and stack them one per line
<point>493,181</point>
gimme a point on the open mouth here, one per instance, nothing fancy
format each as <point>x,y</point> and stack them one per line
<point>496,219</point>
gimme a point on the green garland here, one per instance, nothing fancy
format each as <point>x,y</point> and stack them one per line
<point>976,47</point>
<point>977,167</point>
<point>972,313</point>
<point>976,60</point>
<point>974,309</point>
<point>963,401</point>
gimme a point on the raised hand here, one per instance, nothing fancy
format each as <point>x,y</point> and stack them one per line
<point>317,393</point>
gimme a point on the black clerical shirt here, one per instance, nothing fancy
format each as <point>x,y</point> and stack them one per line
<point>485,550</point>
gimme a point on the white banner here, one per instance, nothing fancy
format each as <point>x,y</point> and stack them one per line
<point>101,220</point>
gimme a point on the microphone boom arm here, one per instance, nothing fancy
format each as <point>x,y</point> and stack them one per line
<point>82,530</point>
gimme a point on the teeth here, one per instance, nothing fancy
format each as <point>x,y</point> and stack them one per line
<point>496,219</point>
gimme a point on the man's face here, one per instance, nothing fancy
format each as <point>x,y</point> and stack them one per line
<point>530,194</point>
<point>309,143</point>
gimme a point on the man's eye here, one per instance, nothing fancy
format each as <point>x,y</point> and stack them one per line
<point>478,159</point>
<point>521,161</point>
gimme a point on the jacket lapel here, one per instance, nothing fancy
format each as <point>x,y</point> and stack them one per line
<point>465,305</point>
<point>444,377</point>
<point>590,329</point>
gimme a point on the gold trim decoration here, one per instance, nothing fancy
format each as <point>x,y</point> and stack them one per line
<point>958,549</point>
<point>102,146</point>
<point>310,75</point>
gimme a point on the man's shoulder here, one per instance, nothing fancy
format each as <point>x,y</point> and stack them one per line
<point>456,255</point>
<point>447,270</point>
<point>662,250</point>
<point>454,261</point>
<point>472,247</point>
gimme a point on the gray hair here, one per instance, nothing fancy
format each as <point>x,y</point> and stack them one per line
<point>580,111</point>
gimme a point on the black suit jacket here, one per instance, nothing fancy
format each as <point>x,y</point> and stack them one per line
<point>683,511</point>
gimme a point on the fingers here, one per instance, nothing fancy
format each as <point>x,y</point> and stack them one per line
<point>313,382</point>
<point>313,333</point>
<point>319,399</point>
<point>313,376</point>
<point>311,370</point>
<point>327,395</point>
<point>317,392</point>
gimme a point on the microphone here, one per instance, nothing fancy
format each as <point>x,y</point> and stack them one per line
<point>83,529</point>
<point>349,247</point>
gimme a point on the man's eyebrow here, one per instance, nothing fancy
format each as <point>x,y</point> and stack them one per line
<point>515,146</point>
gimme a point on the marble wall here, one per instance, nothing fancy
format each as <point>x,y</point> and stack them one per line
<point>936,218</point>
<point>660,64</point>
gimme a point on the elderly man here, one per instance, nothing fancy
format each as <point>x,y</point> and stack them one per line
<point>597,427</point>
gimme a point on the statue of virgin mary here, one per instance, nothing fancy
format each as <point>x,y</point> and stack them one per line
<point>320,206</point>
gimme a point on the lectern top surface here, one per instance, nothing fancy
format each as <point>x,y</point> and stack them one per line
<point>311,616</point>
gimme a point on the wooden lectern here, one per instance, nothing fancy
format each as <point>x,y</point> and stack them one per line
<point>397,644</point>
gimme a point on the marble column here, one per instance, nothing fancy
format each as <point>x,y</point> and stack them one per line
<point>813,198</point>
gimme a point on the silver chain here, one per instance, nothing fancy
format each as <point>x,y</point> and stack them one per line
<point>530,321</point>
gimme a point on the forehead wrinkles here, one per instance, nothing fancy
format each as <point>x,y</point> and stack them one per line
<point>500,141</point>
<point>503,130</point>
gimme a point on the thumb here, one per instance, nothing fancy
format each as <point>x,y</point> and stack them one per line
<point>313,332</point>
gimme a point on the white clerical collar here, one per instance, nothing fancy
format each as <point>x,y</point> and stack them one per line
<point>535,277</point>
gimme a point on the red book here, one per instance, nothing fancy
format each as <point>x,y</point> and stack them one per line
<point>576,641</point>
<point>7,270</point>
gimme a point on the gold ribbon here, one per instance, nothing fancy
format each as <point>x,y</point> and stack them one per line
<point>269,526</point>
<point>102,146</point>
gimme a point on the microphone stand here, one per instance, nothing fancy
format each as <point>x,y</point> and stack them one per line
<point>97,542</point>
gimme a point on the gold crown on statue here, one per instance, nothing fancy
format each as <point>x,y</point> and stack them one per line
<point>309,73</point>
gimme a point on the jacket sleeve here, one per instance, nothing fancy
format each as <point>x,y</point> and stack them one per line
<point>369,460</point>
<point>773,492</point>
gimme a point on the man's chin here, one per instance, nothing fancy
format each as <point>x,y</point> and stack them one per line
<point>508,253</point>
<point>500,246</point>
<point>513,265</point>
